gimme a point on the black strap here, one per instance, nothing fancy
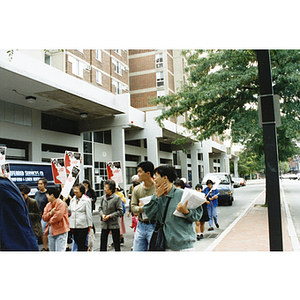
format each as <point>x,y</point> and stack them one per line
<point>165,214</point>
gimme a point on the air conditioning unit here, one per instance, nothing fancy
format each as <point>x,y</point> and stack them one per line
<point>88,68</point>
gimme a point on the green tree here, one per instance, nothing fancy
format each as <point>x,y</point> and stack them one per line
<point>222,93</point>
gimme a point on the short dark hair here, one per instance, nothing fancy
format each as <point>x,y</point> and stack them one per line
<point>81,187</point>
<point>44,180</point>
<point>135,183</point>
<point>199,185</point>
<point>180,183</point>
<point>53,191</point>
<point>24,188</point>
<point>147,166</point>
<point>111,185</point>
<point>166,170</point>
<point>87,182</point>
<point>209,181</point>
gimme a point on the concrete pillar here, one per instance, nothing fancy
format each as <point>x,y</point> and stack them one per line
<point>152,150</point>
<point>194,161</point>
<point>206,162</point>
<point>183,162</point>
<point>235,167</point>
<point>221,157</point>
<point>118,150</point>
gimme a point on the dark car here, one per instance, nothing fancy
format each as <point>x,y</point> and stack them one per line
<point>225,187</point>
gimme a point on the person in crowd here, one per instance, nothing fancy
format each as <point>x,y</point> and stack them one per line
<point>81,220</point>
<point>41,198</point>
<point>200,225</point>
<point>179,231</point>
<point>56,216</point>
<point>110,211</point>
<point>212,197</point>
<point>34,211</point>
<point>145,226</point>
<point>179,183</point>
<point>186,184</point>
<point>135,182</point>
<point>90,193</point>
<point>16,233</point>
<point>122,222</point>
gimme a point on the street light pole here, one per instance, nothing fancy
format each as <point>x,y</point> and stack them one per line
<point>270,149</point>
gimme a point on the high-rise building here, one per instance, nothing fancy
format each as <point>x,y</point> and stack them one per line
<point>153,73</point>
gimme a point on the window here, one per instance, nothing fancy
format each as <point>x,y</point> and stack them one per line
<point>160,79</point>
<point>165,161</point>
<point>136,143</point>
<point>130,171</point>
<point>16,150</point>
<point>118,87</point>
<point>57,148</point>
<point>118,51</point>
<point>53,123</point>
<point>98,54</point>
<point>47,59</point>
<point>118,67</point>
<point>130,157</point>
<point>103,137</point>
<point>99,77</point>
<point>160,93</point>
<point>159,60</point>
<point>77,66</point>
<point>165,147</point>
<point>200,156</point>
<point>87,136</point>
<point>100,177</point>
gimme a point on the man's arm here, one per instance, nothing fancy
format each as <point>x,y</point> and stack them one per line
<point>135,208</point>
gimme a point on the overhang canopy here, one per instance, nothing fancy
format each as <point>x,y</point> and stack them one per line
<point>56,92</point>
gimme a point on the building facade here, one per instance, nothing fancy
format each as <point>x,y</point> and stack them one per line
<point>79,100</point>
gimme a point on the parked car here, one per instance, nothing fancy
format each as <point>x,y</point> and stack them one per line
<point>225,187</point>
<point>236,182</point>
<point>293,176</point>
<point>242,181</point>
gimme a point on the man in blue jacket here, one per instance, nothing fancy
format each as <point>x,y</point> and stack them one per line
<point>16,232</point>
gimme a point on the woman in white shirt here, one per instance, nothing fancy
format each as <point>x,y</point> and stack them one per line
<point>81,220</point>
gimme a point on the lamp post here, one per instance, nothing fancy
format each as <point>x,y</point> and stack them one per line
<point>270,149</point>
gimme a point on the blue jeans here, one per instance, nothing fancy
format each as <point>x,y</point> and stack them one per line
<point>142,236</point>
<point>212,213</point>
<point>43,225</point>
<point>57,242</point>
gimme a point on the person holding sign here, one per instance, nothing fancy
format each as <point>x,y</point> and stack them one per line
<point>56,216</point>
<point>179,232</point>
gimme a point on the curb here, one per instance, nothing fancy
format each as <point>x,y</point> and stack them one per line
<point>290,224</point>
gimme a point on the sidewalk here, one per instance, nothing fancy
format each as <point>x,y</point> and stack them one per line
<point>251,233</point>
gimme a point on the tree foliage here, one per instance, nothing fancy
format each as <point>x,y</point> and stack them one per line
<point>222,92</point>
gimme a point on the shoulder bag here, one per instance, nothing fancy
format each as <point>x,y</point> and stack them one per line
<point>157,241</point>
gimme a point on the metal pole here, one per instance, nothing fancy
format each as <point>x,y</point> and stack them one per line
<point>270,149</point>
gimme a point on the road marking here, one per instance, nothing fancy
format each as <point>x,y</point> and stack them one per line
<point>227,230</point>
<point>290,224</point>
